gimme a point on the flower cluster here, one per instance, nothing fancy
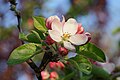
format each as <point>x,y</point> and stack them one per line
<point>66,35</point>
<point>69,33</point>
<point>58,64</point>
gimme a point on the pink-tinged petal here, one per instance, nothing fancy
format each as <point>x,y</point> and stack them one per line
<point>72,20</point>
<point>57,26</point>
<point>56,36</point>
<point>88,35</point>
<point>51,18</point>
<point>68,45</point>
<point>80,29</point>
<point>63,19</point>
<point>78,39</point>
<point>70,28</point>
<point>48,24</point>
<point>49,21</point>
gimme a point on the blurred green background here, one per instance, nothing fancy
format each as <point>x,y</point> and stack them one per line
<point>99,17</point>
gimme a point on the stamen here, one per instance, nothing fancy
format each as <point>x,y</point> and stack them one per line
<point>66,36</point>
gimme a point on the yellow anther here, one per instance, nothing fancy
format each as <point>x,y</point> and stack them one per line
<point>66,36</point>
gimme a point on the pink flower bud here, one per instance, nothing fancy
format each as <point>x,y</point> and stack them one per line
<point>63,51</point>
<point>45,75</point>
<point>49,40</point>
<point>54,75</point>
<point>80,29</point>
<point>52,65</point>
<point>60,65</point>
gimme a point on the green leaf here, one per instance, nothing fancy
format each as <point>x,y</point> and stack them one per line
<point>81,63</point>
<point>98,72</point>
<point>41,34</point>
<point>91,51</point>
<point>74,63</point>
<point>39,23</point>
<point>36,34</point>
<point>31,37</point>
<point>69,76</point>
<point>86,77</point>
<point>23,53</point>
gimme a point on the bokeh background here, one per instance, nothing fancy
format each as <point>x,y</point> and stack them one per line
<point>99,17</point>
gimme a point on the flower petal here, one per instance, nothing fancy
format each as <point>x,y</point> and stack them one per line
<point>70,28</point>
<point>78,39</point>
<point>57,26</point>
<point>80,29</point>
<point>72,20</point>
<point>71,54</point>
<point>55,35</point>
<point>88,35</point>
<point>68,45</point>
<point>63,19</point>
<point>50,20</point>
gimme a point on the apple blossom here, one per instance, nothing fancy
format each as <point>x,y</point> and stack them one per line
<point>70,33</point>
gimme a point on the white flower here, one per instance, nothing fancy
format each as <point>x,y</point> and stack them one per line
<point>67,33</point>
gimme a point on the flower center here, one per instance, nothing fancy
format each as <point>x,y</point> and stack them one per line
<point>66,36</point>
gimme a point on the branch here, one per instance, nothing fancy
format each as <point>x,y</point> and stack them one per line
<point>30,61</point>
<point>35,68</point>
<point>48,56</point>
<point>46,59</point>
<point>17,13</point>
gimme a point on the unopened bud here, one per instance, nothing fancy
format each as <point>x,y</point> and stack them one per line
<point>63,51</point>
<point>49,40</point>
<point>45,75</point>
<point>54,75</point>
